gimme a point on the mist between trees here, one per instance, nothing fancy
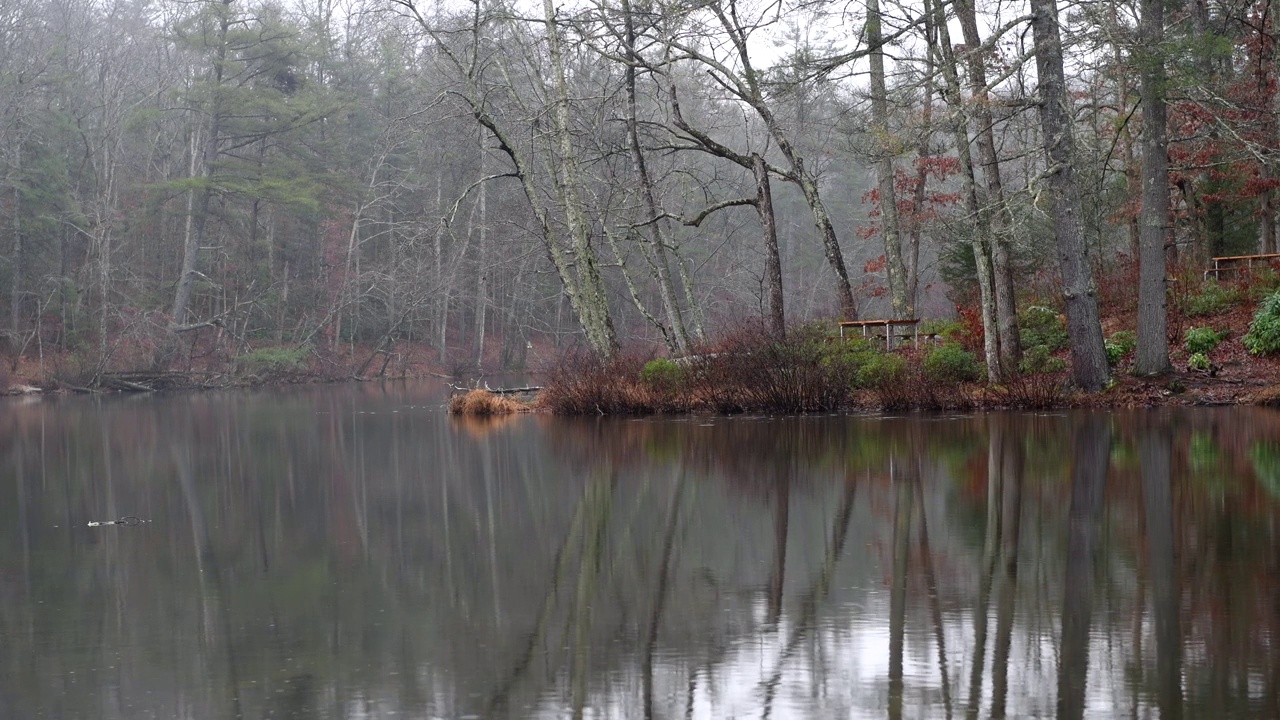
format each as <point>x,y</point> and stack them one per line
<point>184,182</point>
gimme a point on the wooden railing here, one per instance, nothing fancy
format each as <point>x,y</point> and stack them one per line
<point>911,329</point>
<point>1236,263</point>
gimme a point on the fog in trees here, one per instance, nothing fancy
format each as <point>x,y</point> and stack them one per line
<point>185,184</point>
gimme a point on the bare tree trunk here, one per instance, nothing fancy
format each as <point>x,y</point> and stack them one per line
<point>997,211</point>
<point>655,250</point>
<point>889,225</point>
<point>15,286</point>
<point>191,252</point>
<point>1088,354</point>
<point>1271,166</point>
<point>1153,335</point>
<point>482,264</point>
<point>772,263</point>
<point>980,229</point>
<point>444,288</point>
<point>690,300</point>
<point>923,150</point>
<point>593,303</point>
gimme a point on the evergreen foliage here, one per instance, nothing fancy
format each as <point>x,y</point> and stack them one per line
<point>951,363</point>
<point>1263,337</point>
<point>1202,339</point>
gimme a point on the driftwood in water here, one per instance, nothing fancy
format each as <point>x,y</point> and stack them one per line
<point>463,389</point>
<point>150,381</point>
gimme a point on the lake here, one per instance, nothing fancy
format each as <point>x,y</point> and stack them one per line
<point>354,552</point>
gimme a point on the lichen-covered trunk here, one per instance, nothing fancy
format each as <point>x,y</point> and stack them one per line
<point>1088,354</point>
<point>655,249</point>
<point>592,302</point>
<point>773,262</point>
<point>889,225</point>
<point>830,247</point>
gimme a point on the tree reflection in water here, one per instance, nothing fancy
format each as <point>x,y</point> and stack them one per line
<point>352,552</point>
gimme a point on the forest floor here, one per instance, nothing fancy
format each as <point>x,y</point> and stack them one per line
<point>1235,377</point>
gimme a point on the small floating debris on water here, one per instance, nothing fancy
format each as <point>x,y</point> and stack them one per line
<point>127,520</point>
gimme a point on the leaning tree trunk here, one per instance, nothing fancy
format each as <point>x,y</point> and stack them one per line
<point>1088,354</point>
<point>773,262</point>
<point>1153,334</point>
<point>655,250</point>
<point>593,302</point>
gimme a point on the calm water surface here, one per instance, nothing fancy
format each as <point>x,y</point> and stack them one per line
<point>353,552</point>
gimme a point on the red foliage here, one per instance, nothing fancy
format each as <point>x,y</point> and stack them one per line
<point>1219,144</point>
<point>973,335</point>
<point>915,210</point>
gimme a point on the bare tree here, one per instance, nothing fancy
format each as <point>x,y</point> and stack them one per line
<point>1153,332</point>
<point>1088,353</point>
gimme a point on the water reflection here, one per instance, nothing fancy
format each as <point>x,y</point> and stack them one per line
<point>354,553</point>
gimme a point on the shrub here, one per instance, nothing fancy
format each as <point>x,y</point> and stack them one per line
<point>1198,361</point>
<point>951,363</point>
<point>276,359</point>
<point>882,370</point>
<point>1212,299</point>
<point>1263,337</point>
<point>751,370</point>
<point>1202,340</point>
<point>850,354</point>
<point>1038,359</point>
<point>1040,325</point>
<point>663,374</point>
<point>1039,391</point>
<point>1120,344</point>
<point>581,384</point>
<point>946,330</point>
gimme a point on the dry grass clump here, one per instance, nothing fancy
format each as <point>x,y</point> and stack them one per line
<point>482,403</point>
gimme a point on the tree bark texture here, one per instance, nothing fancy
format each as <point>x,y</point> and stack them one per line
<point>773,262</point>
<point>999,220</point>
<point>593,302</point>
<point>1153,334</point>
<point>1088,354</point>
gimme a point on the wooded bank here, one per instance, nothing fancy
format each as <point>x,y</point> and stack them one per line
<point>213,186</point>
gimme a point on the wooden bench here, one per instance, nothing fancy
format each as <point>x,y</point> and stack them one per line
<point>911,329</point>
<point>1236,263</point>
